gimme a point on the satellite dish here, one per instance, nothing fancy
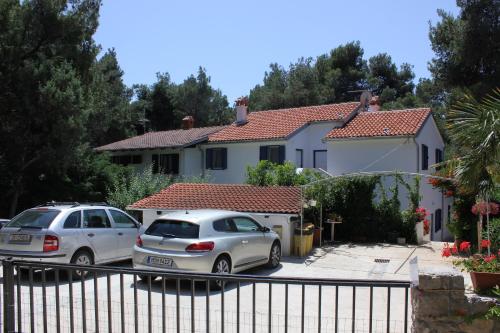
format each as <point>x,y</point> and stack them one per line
<point>365,98</point>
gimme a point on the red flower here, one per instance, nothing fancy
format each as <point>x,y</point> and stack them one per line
<point>489,258</point>
<point>446,251</point>
<point>454,249</point>
<point>485,243</point>
<point>426,227</point>
<point>448,193</point>
<point>464,246</point>
<point>484,208</point>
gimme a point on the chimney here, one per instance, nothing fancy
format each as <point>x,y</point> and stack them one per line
<point>187,122</point>
<point>374,104</point>
<point>241,110</point>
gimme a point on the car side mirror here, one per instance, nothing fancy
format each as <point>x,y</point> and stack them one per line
<point>265,229</point>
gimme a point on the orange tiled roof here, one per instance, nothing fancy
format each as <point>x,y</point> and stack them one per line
<point>237,197</point>
<point>382,123</point>
<point>279,124</point>
<point>163,139</point>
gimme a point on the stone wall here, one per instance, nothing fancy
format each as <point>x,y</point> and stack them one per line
<point>441,304</point>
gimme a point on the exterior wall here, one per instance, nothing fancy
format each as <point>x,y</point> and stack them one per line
<point>242,154</point>
<point>440,304</point>
<point>189,159</point>
<point>239,155</point>
<point>269,220</point>
<point>395,154</point>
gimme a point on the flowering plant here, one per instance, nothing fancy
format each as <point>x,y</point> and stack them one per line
<point>484,208</point>
<point>421,214</point>
<point>483,264</point>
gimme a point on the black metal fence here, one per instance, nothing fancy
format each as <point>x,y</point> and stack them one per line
<point>41,297</point>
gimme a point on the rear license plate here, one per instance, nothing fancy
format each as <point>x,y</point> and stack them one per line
<point>20,239</point>
<point>158,261</point>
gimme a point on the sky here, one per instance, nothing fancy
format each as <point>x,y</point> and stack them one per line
<point>237,40</point>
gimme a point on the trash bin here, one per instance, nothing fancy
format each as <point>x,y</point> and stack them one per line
<point>303,240</point>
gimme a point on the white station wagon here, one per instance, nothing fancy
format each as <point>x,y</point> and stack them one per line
<point>75,233</point>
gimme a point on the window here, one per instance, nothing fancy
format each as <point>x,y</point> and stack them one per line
<point>275,154</point>
<point>438,220</point>
<point>95,218</point>
<point>121,220</point>
<point>173,229</point>
<point>320,159</point>
<point>425,157</point>
<point>216,158</point>
<point>166,163</point>
<point>299,158</point>
<point>244,224</point>
<point>438,157</point>
<point>127,159</point>
<point>34,218</point>
<point>73,221</point>
<point>225,225</point>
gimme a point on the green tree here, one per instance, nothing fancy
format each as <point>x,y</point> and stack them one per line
<point>266,173</point>
<point>109,103</point>
<point>467,47</point>
<point>46,51</point>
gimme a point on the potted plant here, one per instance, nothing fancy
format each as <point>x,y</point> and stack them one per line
<point>484,270</point>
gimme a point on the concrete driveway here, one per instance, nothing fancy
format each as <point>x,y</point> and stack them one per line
<point>344,261</point>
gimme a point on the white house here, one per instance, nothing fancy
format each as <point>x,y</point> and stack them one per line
<point>404,140</point>
<point>339,138</point>
<point>175,152</point>
<point>277,207</point>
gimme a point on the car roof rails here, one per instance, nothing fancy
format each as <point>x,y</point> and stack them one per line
<point>72,204</point>
<point>59,203</point>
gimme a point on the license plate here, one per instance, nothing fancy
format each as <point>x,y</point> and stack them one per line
<point>167,262</point>
<point>20,239</point>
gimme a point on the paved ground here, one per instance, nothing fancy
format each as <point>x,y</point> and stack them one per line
<point>345,261</point>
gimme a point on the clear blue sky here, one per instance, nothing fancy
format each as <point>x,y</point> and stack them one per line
<point>237,40</point>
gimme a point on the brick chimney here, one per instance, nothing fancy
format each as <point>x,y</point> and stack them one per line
<point>374,104</point>
<point>187,122</point>
<point>241,110</point>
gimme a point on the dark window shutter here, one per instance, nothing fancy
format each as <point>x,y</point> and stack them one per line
<point>425,157</point>
<point>438,220</point>
<point>155,163</point>
<point>208,158</point>
<point>224,158</point>
<point>263,153</point>
<point>282,154</point>
<point>175,164</point>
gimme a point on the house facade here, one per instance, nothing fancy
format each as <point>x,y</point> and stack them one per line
<point>337,138</point>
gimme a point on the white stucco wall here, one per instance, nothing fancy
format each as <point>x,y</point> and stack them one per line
<point>189,159</point>
<point>391,154</point>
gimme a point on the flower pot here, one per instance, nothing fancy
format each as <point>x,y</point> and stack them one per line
<point>483,280</point>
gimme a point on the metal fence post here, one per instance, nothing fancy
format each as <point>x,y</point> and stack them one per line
<point>8,296</point>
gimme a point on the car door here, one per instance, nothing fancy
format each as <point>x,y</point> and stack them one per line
<point>253,240</point>
<point>126,230</point>
<point>100,234</point>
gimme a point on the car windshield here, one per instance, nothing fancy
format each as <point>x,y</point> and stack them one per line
<point>173,229</point>
<point>34,218</point>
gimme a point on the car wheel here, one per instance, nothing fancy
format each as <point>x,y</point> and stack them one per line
<point>81,257</point>
<point>144,278</point>
<point>221,266</point>
<point>274,255</point>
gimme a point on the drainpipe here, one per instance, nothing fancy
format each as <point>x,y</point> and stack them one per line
<point>418,154</point>
<point>202,161</point>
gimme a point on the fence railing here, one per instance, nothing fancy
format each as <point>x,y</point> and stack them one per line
<point>45,297</point>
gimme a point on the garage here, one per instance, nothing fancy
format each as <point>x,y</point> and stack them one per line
<point>276,207</point>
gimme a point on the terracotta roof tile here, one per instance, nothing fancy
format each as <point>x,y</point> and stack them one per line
<point>163,139</point>
<point>382,123</point>
<point>278,124</point>
<point>243,198</point>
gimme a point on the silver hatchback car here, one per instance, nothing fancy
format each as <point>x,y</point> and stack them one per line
<point>206,241</point>
<point>83,234</point>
